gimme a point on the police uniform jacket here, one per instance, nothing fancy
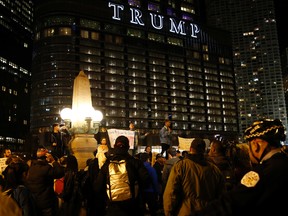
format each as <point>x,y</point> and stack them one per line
<point>262,191</point>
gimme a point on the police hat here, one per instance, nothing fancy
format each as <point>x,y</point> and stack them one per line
<point>270,130</point>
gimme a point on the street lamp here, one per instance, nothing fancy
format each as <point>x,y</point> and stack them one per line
<point>82,120</point>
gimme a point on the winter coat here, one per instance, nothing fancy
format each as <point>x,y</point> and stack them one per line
<point>40,181</point>
<point>193,182</point>
<point>167,169</point>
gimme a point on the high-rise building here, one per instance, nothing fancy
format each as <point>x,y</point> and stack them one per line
<point>16,18</point>
<point>146,61</point>
<point>256,59</point>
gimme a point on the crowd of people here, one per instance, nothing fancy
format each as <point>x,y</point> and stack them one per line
<point>200,181</point>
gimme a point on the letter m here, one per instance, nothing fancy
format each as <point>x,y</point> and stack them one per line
<point>180,29</point>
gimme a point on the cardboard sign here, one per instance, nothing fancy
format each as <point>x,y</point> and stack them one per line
<point>185,143</point>
<point>2,164</point>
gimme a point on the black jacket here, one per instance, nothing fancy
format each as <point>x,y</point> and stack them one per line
<point>40,182</point>
<point>136,172</point>
<point>262,194</point>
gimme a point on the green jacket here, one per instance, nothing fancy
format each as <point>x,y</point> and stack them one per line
<point>192,183</point>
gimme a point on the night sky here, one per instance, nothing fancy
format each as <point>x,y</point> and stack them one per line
<point>281,9</point>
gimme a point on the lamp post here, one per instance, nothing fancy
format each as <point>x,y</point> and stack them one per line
<point>83,120</point>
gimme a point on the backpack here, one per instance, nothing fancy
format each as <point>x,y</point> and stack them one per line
<point>118,185</point>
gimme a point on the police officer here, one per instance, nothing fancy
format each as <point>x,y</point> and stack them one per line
<point>262,190</point>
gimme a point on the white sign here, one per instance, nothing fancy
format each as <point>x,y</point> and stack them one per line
<point>114,133</point>
<point>185,143</point>
<point>2,164</point>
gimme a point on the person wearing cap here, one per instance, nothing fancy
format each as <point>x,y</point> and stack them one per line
<point>137,173</point>
<point>172,159</point>
<point>40,181</point>
<point>193,182</point>
<point>262,190</point>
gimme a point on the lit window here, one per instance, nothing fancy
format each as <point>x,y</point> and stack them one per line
<point>94,35</point>
<point>49,32</point>
<point>64,31</point>
<point>84,34</point>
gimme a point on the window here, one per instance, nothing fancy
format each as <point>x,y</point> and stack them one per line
<point>64,31</point>
<point>84,34</point>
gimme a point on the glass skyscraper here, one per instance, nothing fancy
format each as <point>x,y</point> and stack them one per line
<point>256,59</point>
<point>16,18</point>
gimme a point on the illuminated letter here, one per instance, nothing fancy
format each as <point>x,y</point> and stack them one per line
<point>153,21</point>
<point>180,29</point>
<point>194,30</point>
<point>116,10</point>
<point>136,16</point>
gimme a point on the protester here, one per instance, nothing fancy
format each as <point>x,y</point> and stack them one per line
<point>193,182</point>
<point>159,166</point>
<point>172,159</point>
<point>129,203</point>
<point>148,150</point>
<point>152,191</point>
<point>165,135</point>
<point>40,182</point>
<point>15,175</point>
<point>7,153</point>
<point>217,155</point>
<point>71,194</point>
<point>261,191</point>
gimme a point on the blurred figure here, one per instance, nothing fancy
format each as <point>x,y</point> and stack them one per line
<point>102,153</point>
<point>184,154</point>
<point>9,207</point>
<point>178,154</point>
<point>260,191</point>
<point>158,166</point>
<point>71,194</point>
<point>193,182</point>
<point>152,191</point>
<point>148,150</point>
<point>59,140</point>
<point>217,155</point>
<point>172,159</point>
<point>137,138</point>
<point>7,153</point>
<point>165,135</point>
<point>96,202</point>
<point>40,182</point>
<point>15,175</point>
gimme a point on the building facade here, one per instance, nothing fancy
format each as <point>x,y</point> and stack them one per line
<point>257,61</point>
<point>15,67</point>
<point>145,61</point>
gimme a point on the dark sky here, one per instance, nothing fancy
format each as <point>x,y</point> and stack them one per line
<point>281,9</point>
